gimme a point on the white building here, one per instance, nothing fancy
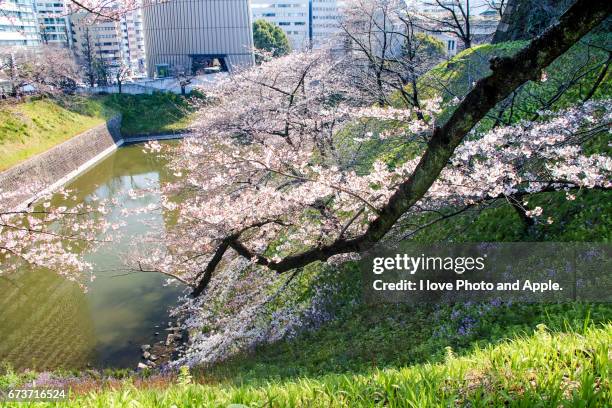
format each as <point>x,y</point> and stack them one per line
<point>54,23</point>
<point>306,22</point>
<point>292,16</point>
<point>326,16</point>
<point>133,42</point>
<point>18,23</point>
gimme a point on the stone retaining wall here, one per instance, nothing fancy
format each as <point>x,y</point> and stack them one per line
<point>47,171</point>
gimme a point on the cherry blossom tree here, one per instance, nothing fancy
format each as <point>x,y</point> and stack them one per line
<point>46,70</point>
<point>104,9</point>
<point>504,164</point>
<point>268,177</point>
<point>271,175</point>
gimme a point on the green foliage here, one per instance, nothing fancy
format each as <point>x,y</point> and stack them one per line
<point>153,114</point>
<point>585,219</point>
<point>568,80</point>
<point>184,377</point>
<point>429,46</point>
<point>9,378</point>
<point>270,37</point>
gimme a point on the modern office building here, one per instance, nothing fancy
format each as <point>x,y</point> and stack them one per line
<point>18,23</point>
<point>54,23</point>
<point>326,16</point>
<point>197,36</point>
<point>306,22</point>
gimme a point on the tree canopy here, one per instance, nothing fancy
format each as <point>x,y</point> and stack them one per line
<point>271,38</point>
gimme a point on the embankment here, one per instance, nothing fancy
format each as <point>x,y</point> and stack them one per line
<point>23,183</point>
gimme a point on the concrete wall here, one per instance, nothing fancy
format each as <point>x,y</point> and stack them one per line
<point>157,85</point>
<point>48,171</point>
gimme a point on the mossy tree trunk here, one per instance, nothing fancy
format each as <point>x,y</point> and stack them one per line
<point>526,19</point>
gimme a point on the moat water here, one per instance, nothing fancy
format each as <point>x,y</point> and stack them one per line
<point>47,322</point>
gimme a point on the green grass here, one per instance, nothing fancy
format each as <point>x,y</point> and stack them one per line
<point>586,219</point>
<point>569,78</point>
<point>33,127</point>
<point>544,369</point>
<point>153,114</point>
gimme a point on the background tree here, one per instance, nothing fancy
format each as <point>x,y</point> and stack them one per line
<point>184,77</point>
<point>452,17</point>
<point>497,5</point>
<point>44,70</point>
<point>121,72</point>
<point>271,38</point>
<point>89,58</point>
<point>386,51</point>
<point>102,71</point>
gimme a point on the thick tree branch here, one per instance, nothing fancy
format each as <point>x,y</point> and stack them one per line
<point>507,75</point>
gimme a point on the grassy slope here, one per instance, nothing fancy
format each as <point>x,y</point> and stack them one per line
<point>35,126</point>
<point>543,369</point>
<point>151,114</point>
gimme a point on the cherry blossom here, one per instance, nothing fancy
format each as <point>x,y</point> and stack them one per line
<point>271,171</point>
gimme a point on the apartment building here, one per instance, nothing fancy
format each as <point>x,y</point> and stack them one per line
<point>54,23</point>
<point>18,23</point>
<point>306,22</point>
<point>133,42</point>
<point>115,43</point>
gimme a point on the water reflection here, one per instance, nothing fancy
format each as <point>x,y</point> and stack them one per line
<point>47,322</point>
